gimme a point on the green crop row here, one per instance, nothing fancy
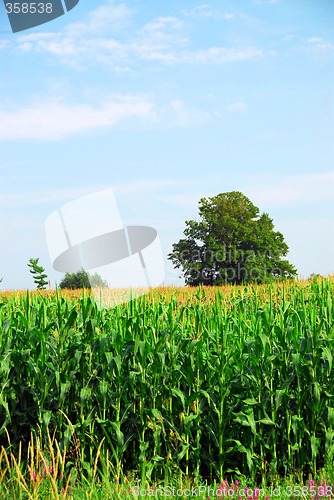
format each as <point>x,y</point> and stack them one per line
<point>209,388</point>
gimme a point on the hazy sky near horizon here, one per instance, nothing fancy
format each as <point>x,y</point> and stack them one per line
<point>168,102</point>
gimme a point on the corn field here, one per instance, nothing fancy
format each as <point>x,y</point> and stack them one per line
<point>215,381</point>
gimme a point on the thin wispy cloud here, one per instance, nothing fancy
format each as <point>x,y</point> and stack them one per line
<point>81,43</point>
<point>267,190</point>
<point>205,11</point>
<point>293,190</point>
<point>228,16</point>
<point>199,11</point>
<point>42,196</point>
<point>213,55</point>
<point>15,200</point>
<point>145,185</point>
<point>119,56</point>
<point>163,40</point>
<point>109,18</point>
<point>164,31</point>
<point>179,114</point>
<point>319,43</point>
<point>268,2</point>
<point>49,119</point>
<point>115,54</point>
<point>221,55</point>
<point>315,46</point>
<point>54,120</point>
<point>237,107</point>
<point>180,200</point>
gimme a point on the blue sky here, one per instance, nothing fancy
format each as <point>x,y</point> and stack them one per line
<point>168,102</point>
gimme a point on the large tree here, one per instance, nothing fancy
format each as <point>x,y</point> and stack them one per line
<point>231,243</point>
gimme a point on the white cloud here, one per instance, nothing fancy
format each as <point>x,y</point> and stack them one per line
<point>182,115</point>
<point>267,2</point>
<point>109,17</point>
<point>217,55</point>
<point>163,39</point>
<point>74,49</point>
<point>274,190</point>
<point>3,44</point>
<point>237,107</point>
<point>180,200</point>
<point>288,38</point>
<point>163,29</point>
<point>213,55</point>
<point>160,39</point>
<point>10,201</point>
<point>83,42</point>
<point>51,119</point>
<point>204,10</point>
<point>130,188</point>
<point>54,120</point>
<point>319,43</point>
<point>63,195</point>
<point>228,15</point>
<point>152,196</point>
<point>199,11</point>
<point>116,54</point>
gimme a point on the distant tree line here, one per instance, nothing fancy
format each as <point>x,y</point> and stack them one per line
<point>82,279</point>
<point>79,279</point>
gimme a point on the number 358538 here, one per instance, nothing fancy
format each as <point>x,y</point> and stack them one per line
<point>28,8</point>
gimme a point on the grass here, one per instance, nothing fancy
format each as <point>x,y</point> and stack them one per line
<point>178,387</point>
<point>43,477</point>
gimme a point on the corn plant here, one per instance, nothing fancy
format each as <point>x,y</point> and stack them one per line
<point>205,382</point>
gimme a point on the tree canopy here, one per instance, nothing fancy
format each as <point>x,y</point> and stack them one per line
<point>231,243</point>
<point>82,279</point>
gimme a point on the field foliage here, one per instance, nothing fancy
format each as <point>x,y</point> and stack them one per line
<point>211,382</point>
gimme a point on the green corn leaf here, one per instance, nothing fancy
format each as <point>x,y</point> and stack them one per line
<point>179,394</point>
